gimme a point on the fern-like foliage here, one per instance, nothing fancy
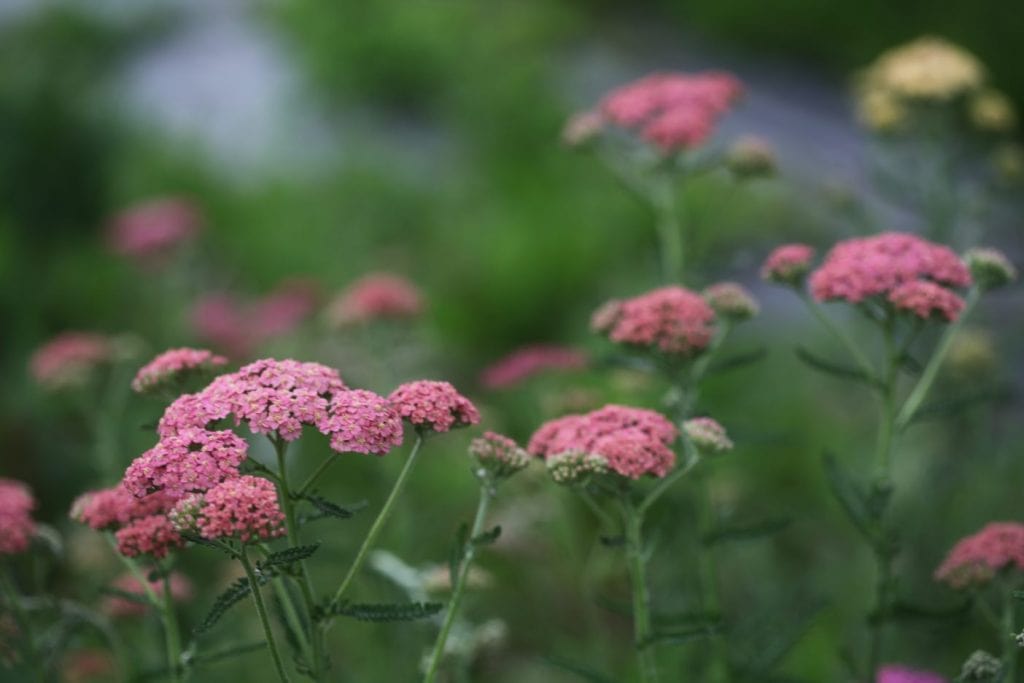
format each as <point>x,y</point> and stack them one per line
<point>289,556</point>
<point>382,612</point>
<point>235,593</point>
<point>835,369</point>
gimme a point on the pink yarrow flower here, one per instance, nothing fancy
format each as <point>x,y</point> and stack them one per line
<point>220,320</point>
<point>671,320</point>
<point>976,559</point>
<point>68,358</point>
<point>788,264</point>
<point>900,674</point>
<point>153,536</point>
<point>114,507</point>
<point>498,455</point>
<point>187,411</point>
<point>172,366</point>
<point>433,405</point>
<point>16,524</point>
<point>528,361</point>
<point>281,311</point>
<point>150,229</point>
<point>245,508</point>
<point>860,268</point>
<point>116,606</point>
<point>360,421</point>
<point>375,296</point>
<point>191,460</point>
<point>926,300</point>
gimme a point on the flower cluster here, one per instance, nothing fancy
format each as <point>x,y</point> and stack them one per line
<point>244,508</point>
<point>900,674</point>
<point>707,434</point>
<point>375,296</point>
<point>191,460</point>
<point>152,535</point>
<point>633,441</point>
<point>433,405</point>
<point>180,588</point>
<point>575,467</point>
<point>16,524</point>
<point>788,264</point>
<point>68,358</point>
<point>925,299</point>
<point>926,69</point>
<point>115,507</point>
<point>498,455</point>
<point>731,300</point>
<point>671,320</point>
<point>151,229</point>
<point>977,558</point>
<point>172,366</point>
<point>857,269</point>
<point>528,361</point>
<point>989,267</point>
<point>672,111</point>
<point>360,421</point>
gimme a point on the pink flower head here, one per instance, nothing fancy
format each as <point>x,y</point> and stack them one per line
<point>114,507</point>
<point>68,358</point>
<point>285,308</point>
<point>172,366</point>
<point>192,411</point>
<point>633,441</point>
<point>860,268</point>
<point>432,405</point>
<point>191,460</point>
<point>220,319</point>
<point>16,524</point>
<point>731,300</point>
<point>499,455</point>
<point>152,535</point>
<point>360,421</point>
<point>673,111</point>
<point>151,229</point>
<point>977,558</point>
<point>926,299</point>
<point>375,296</point>
<point>528,361</point>
<point>788,264</point>
<point>900,674</point>
<point>245,508</point>
<point>672,320</point>
<point>116,606</point>
<point>82,666</point>
<point>277,396</point>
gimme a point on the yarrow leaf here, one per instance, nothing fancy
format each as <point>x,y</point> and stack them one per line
<point>382,612</point>
<point>835,369</point>
<point>681,636</point>
<point>234,594</point>
<point>199,540</point>
<point>289,556</point>
<point>328,508</point>
<point>738,360</point>
<point>487,537</point>
<point>851,497</point>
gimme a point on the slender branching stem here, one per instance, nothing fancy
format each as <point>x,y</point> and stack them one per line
<point>636,555</point>
<point>291,614</point>
<point>708,574</point>
<point>851,347</point>
<point>324,465</point>
<point>261,610</point>
<point>670,234</point>
<point>382,518</point>
<point>1008,635</point>
<point>172,637</point>
<point>465,564</point>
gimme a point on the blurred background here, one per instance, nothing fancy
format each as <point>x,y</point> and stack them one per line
<point>318,142</point>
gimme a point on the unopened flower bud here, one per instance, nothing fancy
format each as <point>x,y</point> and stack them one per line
<point>990,268</point>
<point>575,467</point>
<point>707,434</point>
<point>498,455</point>
<point>731,300</point>
<point>751,157</point>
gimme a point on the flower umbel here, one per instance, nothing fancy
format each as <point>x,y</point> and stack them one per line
<point>433,405</point>
<point>977,558</point>
<point>671,320</point>
<point>360,421</point>
<point>171,367</point>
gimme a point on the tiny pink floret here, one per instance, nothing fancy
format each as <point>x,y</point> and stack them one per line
<point>360,421</point>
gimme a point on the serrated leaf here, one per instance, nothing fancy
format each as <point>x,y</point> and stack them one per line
<point>289,556</point>
<point>329,508</point>
<point>958,404</point>
<point>737,361</point>
<point>745,532</point>
<point>199,540</point>
<point>834,369</point>
<point>487,537</point>
<point>234,594</point>
<point>383,612</point>
<point>911,364</point>
<point>680,636</point>
<point>457,552</point>
<point>579,670</point>
<point>851,497</point>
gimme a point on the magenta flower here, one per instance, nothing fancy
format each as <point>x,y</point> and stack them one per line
<point>245,508</point>
<point>976,559</point>
<point>360,421</point>
<point>788,264</point>
<point>860,268</point>
<point>899,674</point>
<point>926,299</point>
<point>527,361</point>
<point>114,507</point>
<point>671,320</point>
<point>152,535</point>
<point>191,460</point>
<point>375,296</point>
<point>68,358</point>
<point>116,606</point>
<point>149,230</point>
<point>433,405</point>
<point>172,366</point>
<point>16,524</point>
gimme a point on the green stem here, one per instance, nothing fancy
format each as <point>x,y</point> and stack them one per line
<point>670,234</point>
<point>931,370</point>
<point>321,468</point>
<point>636,557</point>
<point>292,527</point>
<point>835,331</point>
<point>605,518</point>
<point>261,610</point>
<point>666,483</point>
<point>486,494</point>
<point>378,523</point>
<point>172,637</point>
<point>291,614</point>
<point>1008,636</point>
<point>24,625</point>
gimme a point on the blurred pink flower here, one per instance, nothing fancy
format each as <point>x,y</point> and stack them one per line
<point>788,264</point>
<point>16,524</point>
<point>433,405</point>
<point>924,299</point>
<point>281,311</point>
<point>82,666</point>
<point>220,319</point>
<point>672,320</point>
<point>152,535</point>
<point>977,558</point>
<point>375,296</point>
<point>68,358</point>
<point>192,460</point>
<point>151,229</point>
<point>899,674</point>
<point>527,361</point>
<point>116,606</point>
<point>360,421</point>
<point>114,507</point>
<point>172,365</point>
